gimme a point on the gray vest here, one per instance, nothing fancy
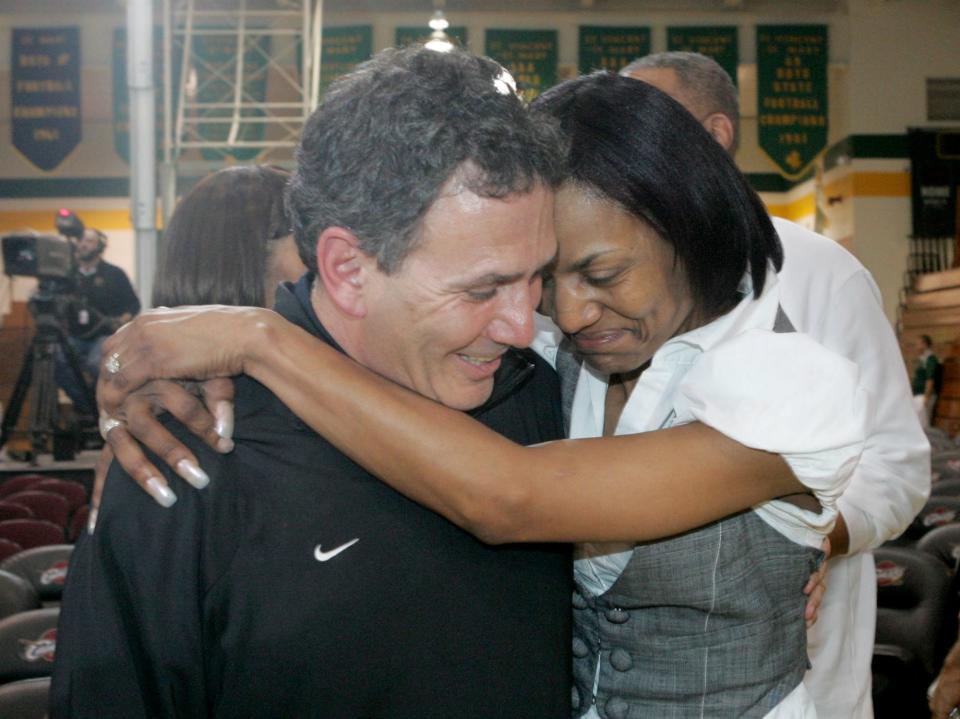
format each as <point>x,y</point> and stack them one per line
<point>706,624</point>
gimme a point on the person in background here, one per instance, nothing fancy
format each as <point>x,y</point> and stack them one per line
<point>229,241</point>
<point>105,300</point>
<point>923,383</point>
<point>831,297</point>
<point>945,698</point>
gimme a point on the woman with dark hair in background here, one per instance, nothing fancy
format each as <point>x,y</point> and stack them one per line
<point>229,241</point>
<point>665,284</point>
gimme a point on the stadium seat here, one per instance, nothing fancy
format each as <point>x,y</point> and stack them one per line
<point>45,505</point>
<point>944,544</point>
<point>44,567</point>
<point>8,548</point>
<point>916,623</point>
<point>25,699</point>
<point>16,595</point>
<point>31,532</point>
<point>937,512</point>
<point>945,488</point>
<point>19,483</point>
<point>74,492</point>
<point>28,642</point>
<point>12,510</point>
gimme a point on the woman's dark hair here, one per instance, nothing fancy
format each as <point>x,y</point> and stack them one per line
<point>216,247</point>
<point>644,151</point>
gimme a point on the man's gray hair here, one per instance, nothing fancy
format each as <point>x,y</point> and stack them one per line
<point>375,154</point>
<point>703,78</point>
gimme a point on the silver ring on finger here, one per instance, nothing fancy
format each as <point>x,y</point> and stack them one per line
<point>107,424</point>
<point>112,363</point>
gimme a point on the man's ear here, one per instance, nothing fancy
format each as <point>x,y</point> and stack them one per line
<point>343,269</point>
<point>721,127</point>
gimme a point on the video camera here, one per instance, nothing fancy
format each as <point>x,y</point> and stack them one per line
<point>40,256</point>
<point>45,256</point>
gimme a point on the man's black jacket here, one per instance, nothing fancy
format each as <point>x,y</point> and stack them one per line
<point>236,602</point>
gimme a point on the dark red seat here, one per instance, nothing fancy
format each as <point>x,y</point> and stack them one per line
<point>28,641</point>
<point>45,505</point>
<point>12,510</point>
<point>25,699</point>
<point>74,492</point>
<point>19,483</point>
<point>78,522</point>
<point>8,548</point>
<point>31,532</point>
<point>44,567</point>
<point>16,595</point>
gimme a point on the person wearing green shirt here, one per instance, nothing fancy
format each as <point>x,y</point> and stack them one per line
<point>923,382</point>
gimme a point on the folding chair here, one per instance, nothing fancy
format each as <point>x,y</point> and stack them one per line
<point>937,512</point>
<point>25,699</point>
<point>74,492</point>
<point>12,510</point>
<point>8,548</point>
<point>45,505</point>
<point>44,567</point>
<point>28,642</point>
<point>19,483</point>
<point>16,595</point>
<point>31,532</point>
<point>945,488</point>
<point>916,622</point>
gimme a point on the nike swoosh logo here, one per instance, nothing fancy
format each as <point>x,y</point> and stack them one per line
<point>322,556</point>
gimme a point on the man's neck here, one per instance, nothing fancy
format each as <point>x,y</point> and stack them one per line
<point>89,267</point>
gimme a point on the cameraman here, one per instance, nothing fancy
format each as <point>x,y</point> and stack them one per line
<point>104,301</point>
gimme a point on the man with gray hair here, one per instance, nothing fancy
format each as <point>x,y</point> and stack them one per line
<point>296,584</point>
<point>829,295</point>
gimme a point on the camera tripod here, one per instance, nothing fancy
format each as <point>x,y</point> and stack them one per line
<point>39,372</point>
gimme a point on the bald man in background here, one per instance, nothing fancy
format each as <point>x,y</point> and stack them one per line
<point>829,295</point>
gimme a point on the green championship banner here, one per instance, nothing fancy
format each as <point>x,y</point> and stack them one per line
<point>343,49</point>
<point>45,93</point>
<point>610,48</point>
<point>792,94</point>
<point>409,35</point>
<point>121,96</point>
<point>529,55</point>
<point>720,43</point>
<point>215,58</point>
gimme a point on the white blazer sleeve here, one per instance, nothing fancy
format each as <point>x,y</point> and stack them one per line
<point>786,394</point>
<point>892,481</point>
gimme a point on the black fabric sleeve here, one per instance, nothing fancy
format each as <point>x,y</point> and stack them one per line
<point>127,300</point>
<point>130,638</point>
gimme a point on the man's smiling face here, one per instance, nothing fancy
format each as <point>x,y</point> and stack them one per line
<point>463,296</point>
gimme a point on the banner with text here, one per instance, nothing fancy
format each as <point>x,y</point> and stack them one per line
<point>121,93</point>
<point>792,94</point>
<point>408,35</point>
<point>610,48</point>
<point>343,49</point>
<point>215,62</point>
<point>529,55</point>
<point>720,43</point>
<point>45,93</point>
